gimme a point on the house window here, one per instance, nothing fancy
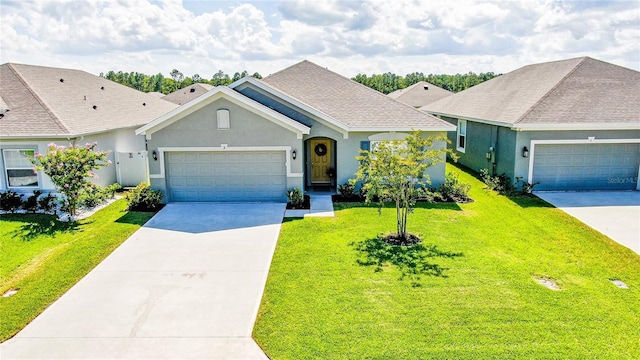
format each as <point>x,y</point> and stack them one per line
<point>19,170</point>
<point>223,119</point>
<point>461,143</point>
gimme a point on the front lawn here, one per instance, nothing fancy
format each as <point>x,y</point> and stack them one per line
<point>43,257</point>
<point>477,297</point>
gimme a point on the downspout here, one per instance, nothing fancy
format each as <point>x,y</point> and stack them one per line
<point>491,156</point>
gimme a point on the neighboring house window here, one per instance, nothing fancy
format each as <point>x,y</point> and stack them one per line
<point>20,171</point>
<point>223,119</point>
<point>462,135</point>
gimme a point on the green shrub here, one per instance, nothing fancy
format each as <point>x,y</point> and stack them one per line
<point>92,196</point>
<point>500,183</point>
<point>453,189</point>
<point>143,198</point>
<point>525,187</point>
<point>10,201</point>
<point>295,196</point>
<point>110,191</point>
<point>347,190</point>
<point>48,203</point>
<point>31,204</point>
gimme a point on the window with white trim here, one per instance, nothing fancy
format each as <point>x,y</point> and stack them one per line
<point>19,170</point>
<point>461,141</point>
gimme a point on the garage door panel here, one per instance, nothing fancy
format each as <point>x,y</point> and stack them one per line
<point>226,176</point>
<point>586,166</point>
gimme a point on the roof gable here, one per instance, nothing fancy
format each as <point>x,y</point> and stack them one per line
<point>581,92</point>
<point>594,92</point>
<point>420,94</point>
<point>46,101</point>
<point>231,95</point>
<point>351,105</point>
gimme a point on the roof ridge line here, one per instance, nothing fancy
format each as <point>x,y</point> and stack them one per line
<point>288,67</point>
<point>548,93</point>
<point>38,99</point>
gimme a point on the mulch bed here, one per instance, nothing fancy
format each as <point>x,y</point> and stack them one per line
<point>397,240</point>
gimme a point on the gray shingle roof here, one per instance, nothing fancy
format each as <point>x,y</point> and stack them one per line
<point>420,94</point>
<point>575,91</point>
<point>346,101</point>
<point>52,101</point>
<point>184,95</point>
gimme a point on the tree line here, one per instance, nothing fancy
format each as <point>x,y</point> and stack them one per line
<point>389,82</point>
<point>385,83</point>
<point>176,81</point>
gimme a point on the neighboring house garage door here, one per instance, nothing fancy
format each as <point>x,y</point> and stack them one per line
<point>586,166</point>
<point>226,176</point>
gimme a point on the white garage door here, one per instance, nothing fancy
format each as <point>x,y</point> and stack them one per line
<point>586,166</point>
<point>226,176</point>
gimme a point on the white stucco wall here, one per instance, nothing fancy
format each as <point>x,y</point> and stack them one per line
<point>122,140</point>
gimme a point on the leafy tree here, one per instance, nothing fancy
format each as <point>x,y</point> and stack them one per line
<point>394,171</point>
<point>69,168</point>
<point>176,75</point>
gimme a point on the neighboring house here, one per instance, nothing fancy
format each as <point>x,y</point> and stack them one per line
<point>420,94</point>
<point>184,95</point>
<point>42,105</point>
<point>300,127</point>
<point>569,125</point>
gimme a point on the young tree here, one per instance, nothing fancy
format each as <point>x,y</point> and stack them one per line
<point>394,171</point>
<point>69,168</point>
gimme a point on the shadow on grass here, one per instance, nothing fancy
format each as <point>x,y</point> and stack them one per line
<point>527,201</point>
<point>412,261</point>
<point>45,225</point>
<point>136,217</point>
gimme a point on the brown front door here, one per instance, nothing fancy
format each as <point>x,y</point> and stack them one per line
<point>320,161</point>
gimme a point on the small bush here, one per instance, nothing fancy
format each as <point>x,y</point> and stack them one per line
<point>47,204</point>
<point>143,198</point>
<point>347,190</point>
<point>500,183</point>
<point>92,196</point>
<point>453,189</point>
<point>10,201</point>
<point>31,204</point>
<point>110,191</point>
<point>296,197</point>
<point>525,187</point>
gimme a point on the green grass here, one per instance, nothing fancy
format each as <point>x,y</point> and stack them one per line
<point>43,257</point>
<point>327,298</point>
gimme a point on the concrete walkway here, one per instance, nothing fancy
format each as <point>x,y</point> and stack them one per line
<point>616,214</point>
<point>321,206</point>
<point>187,285</point>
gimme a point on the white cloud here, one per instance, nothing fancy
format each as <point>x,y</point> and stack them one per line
<point>347,36</point>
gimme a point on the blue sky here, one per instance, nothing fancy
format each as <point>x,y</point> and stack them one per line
<point>349,37</point>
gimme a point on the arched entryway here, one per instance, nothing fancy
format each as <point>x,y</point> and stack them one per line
<point>320,163</point>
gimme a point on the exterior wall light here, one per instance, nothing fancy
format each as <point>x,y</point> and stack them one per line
<point>154,155</point>
<point>525,152</point>
<point>294,154</point>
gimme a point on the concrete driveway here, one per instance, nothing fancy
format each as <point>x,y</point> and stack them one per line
<point>187,285</point>
<point>613,213</point>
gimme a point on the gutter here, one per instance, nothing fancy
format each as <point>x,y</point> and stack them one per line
<point>546,127</point>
